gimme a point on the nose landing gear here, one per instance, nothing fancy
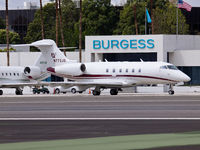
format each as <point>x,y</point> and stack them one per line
<point>171,90</point>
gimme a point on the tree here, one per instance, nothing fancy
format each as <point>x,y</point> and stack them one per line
<point>2,24</point>
<point>7,35</point>
<point>165,21</point>
<point>42,20</point>
<point>126,24</point>
<point>164,17</point>
<point>14,37</point>
<point>99,17</point>
<point>70,18</point>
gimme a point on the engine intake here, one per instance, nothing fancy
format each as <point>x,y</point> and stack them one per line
<point>72,69</point>
<point>32,72</point>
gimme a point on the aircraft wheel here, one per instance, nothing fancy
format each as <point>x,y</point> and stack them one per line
<point>171,92</point>
<point>73,90</point>
<point>96,93</point>
<point>57,91</point>
<point>113,92</point>
<point>1,92</point>
<point>18,92</point>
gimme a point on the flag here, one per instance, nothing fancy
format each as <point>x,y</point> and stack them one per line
<point>148,16</point>
<point>184,5</point>
<point>180,1</point>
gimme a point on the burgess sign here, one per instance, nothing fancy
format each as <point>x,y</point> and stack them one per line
<point>123,44</point>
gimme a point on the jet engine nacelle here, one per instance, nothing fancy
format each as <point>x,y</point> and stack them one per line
<point>32,72</point>
<point>73,69</point>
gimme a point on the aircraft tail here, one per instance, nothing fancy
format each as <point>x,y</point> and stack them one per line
<point>51,56</point>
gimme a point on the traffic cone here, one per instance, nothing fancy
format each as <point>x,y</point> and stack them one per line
<point>89,91</point>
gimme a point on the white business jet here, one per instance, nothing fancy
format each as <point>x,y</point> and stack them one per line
<point>112,75</point>
<point>17,77</point>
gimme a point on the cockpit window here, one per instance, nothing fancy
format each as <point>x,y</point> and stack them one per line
<point>172,67</point>
<point>163,67</point>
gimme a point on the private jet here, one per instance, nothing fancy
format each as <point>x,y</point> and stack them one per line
<point>112,75</point>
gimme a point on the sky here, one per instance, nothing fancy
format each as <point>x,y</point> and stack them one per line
<point>18,4</point>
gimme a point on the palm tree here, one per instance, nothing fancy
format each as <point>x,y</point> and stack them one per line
<point>42,20</point>
<point>7,35</point>
<point>57,22</point>
<point>61,26</point>
<point>80,33</point>
<point>135,16</point>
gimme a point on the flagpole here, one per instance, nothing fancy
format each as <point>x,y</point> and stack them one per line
<point>177,19</point>
<point>145,22</point>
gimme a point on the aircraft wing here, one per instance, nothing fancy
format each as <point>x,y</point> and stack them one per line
<point>15,85</point>
<point>91,84</point>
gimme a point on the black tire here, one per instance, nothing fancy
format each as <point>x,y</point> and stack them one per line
<point>34,92</point>
<point>96,93</point>
<point>171,92</point>
<point>73,90</point>
<point>1,92</point>
<point>57,91</point>
<point>113,92</point>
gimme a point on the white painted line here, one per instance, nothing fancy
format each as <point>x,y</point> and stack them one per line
<point>40,119</point>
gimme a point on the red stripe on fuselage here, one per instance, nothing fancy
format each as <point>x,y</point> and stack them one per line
<point>87,76</point>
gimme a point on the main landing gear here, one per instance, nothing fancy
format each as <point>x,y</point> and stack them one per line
<point>113,91</point>
<point>19,91</point>
<point>171,90</point>
<point>1,92</point>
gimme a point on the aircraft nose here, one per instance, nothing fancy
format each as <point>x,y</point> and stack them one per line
<point>186,78</point>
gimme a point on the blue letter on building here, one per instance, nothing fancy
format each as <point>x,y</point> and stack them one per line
<point>96,44</point>
<point>150,43</point>
<point>114,43</point>
<point>142,43</point>
<point>133,44</point>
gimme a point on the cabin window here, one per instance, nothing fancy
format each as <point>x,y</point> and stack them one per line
<point>14,74</point>
<point>163,67</point>
<point>113,70</point>
<point>120,70</point>
<point>126,70</point>
<point>6,74</point>
<point>107,70</point>
<point>2,74</point>
<point>172,67</point>
<point>133,70</point>
<point>18,74</point>
<point>10,74</point>
<point>139,70</point>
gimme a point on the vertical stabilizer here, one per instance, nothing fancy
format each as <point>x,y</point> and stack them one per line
<point>51,54</point>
